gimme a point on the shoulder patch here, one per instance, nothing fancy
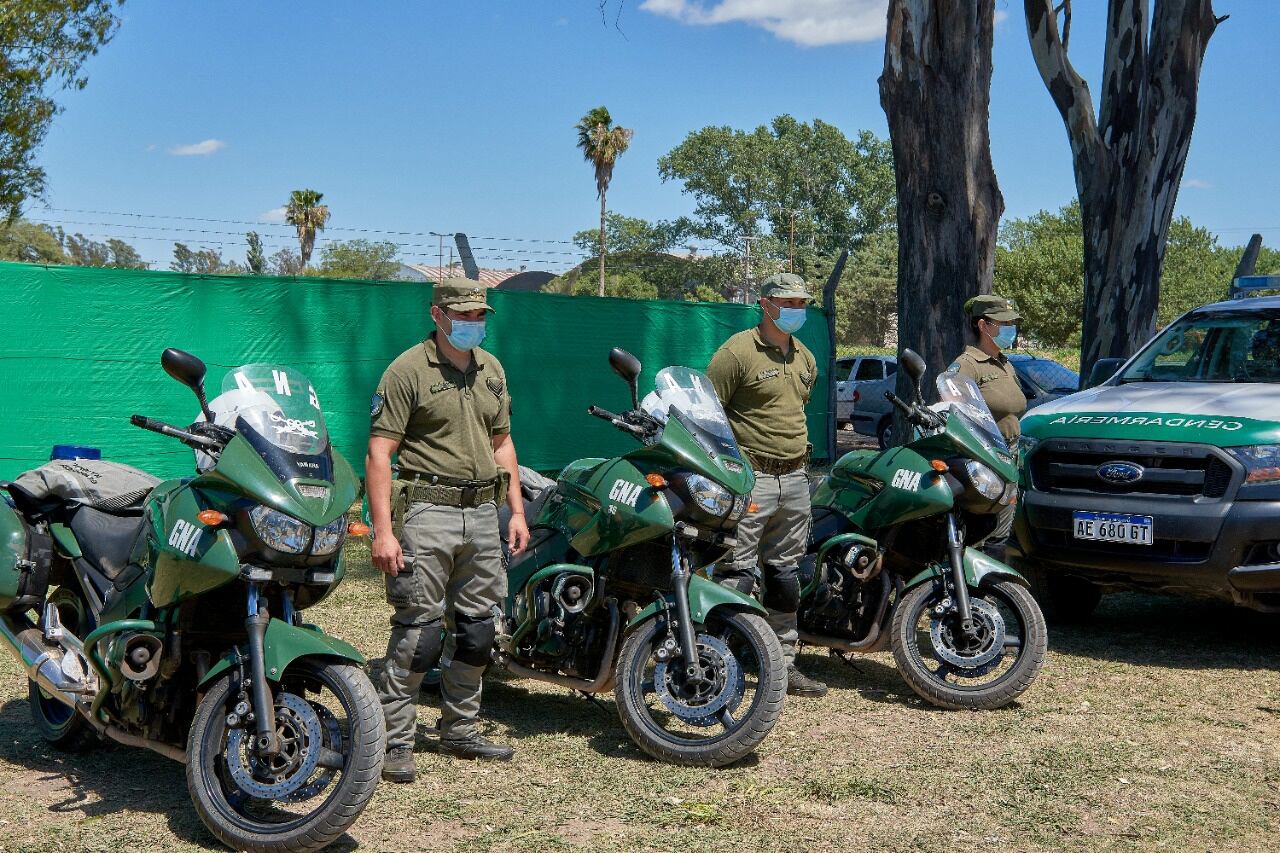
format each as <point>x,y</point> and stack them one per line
<point>376,405</point>
<point>496,385</point>
<point>806,377</point>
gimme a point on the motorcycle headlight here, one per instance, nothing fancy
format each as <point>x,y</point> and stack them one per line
<point>985,481</point>
<point>1261,462</point>
<point>329,538</point>
<point>710,496</point>
<point>284,533</point>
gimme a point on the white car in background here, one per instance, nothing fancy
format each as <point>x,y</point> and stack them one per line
<point>861,381</point>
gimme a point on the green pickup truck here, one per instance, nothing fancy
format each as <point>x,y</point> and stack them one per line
<point>1166,476</point>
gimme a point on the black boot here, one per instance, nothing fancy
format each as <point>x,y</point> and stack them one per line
<point>799,684</point>
<point>398,766</point>
<point>475,746</point>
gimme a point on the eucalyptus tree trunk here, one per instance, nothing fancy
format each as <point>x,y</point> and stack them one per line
<point>1128,158</point>
<point>936,91</point>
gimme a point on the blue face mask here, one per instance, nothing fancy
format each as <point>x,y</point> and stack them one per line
<point>789,320</point>
<point>466,334</point>
<point>1006,336</point>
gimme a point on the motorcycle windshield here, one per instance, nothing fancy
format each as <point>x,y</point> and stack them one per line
<point>967,403</point>
<point>277,411</point>
<point>688,396</point>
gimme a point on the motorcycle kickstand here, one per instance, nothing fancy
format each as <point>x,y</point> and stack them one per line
<point>594,701</point>
<point>844,658</point>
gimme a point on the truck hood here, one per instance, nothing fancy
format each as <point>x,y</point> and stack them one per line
<point>1203,413</point>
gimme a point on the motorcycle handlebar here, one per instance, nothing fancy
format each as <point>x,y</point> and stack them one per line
<point>187,438</point>
<point>617,420</point>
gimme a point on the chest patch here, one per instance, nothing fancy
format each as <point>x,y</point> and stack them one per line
<point>987,378</point>
<point>496,385</point>
<point>446,385</point>
<point>767,374</point>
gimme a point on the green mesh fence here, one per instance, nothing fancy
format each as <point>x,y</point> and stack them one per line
<point>80,352</point>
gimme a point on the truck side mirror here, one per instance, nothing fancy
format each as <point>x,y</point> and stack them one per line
<point>1103,369</point>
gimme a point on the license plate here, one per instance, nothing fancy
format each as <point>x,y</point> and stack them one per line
<point>1113,527</point>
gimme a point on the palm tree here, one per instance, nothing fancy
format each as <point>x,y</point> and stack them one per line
<point>305,213</point>
<point>602,144</point>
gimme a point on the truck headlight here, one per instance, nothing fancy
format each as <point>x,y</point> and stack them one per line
<point>984,480</point>
<point>1261,462</point>
<point>329,538</point>
<point>284,533</point>
<point>710,496</point>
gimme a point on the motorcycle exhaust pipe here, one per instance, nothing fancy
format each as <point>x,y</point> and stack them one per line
<point>59,670</point>
<point>572,592</point>
<point>142,656</point>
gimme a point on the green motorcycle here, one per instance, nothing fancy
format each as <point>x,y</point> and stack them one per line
<point>607,594</point>
<point>889,563</point>
<point>174,617</point>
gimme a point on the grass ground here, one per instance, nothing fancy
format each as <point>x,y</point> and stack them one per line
<point>1157,726</point>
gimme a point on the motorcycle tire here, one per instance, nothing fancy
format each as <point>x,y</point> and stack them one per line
<point>935,688</point>
<point>732,742</point>
<point>209,776</point>
<point>60,725</point>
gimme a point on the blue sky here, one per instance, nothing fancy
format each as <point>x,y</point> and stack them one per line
<point>458,116</point>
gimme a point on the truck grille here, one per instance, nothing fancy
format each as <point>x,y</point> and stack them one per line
<point>1188,470</point>
<point>1063,545</point>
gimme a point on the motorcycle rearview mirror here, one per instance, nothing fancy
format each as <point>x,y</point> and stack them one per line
<point>914,366</point>
<point>627,366</point>
<point>190,371</point>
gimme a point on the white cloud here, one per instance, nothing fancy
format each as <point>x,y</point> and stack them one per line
<point>810,23</point>
<point>275,214</point>
<point>1197,184</point>
<point>198,149</point>
<point>1001,17</point>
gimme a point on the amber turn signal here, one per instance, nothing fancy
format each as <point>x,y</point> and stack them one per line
<point>211,518</point>
<point>656,480</point>
<point>939,466</point>
<point>753,507</point>
<point>355,528</point>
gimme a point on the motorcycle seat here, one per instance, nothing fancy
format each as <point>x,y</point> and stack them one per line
<point>106,539</point>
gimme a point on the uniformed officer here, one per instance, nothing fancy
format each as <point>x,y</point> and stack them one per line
<point>994,322</point>
<point>764,377</point>
<point>444,406</point>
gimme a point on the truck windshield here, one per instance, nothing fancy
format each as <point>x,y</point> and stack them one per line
<point>1221,346</point>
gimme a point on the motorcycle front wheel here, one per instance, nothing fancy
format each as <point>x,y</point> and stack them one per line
<point>985,668</point>
<point>716,718</point>
<point>333,737</point>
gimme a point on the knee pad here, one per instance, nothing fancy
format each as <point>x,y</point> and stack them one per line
<point>473,638</point>
<point>782,588</point>
<point>735,577</point>
<point>426,651</point>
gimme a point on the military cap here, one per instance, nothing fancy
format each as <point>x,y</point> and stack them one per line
<point>991,307</point>
<point>460,294</point>
<point>784,285</point>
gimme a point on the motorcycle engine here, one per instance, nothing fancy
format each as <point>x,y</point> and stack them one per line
<point>839,605</point>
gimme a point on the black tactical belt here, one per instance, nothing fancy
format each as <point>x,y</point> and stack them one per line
<point>448,491</point>
<point>777,467</point>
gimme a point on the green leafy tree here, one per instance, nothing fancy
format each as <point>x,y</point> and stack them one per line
<point>359,259</point>
<point>1196,269</point>
<point>21,240</point>
<point>602,143</point>
<point>43,44</point>
<point>309,217</point>
<point>124,256</point>
<point>201,261</point>
<point>633,234</point>
<point>1040,266</point>
<point>285,262</point>
<point>867,295</point>
<point>255,258</point>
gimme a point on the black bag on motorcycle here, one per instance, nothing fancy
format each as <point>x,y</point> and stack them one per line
<point>26,555</point>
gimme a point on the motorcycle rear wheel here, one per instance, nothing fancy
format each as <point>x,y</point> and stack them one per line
<point>671,727</point>
<point>941,676</point>
<point>261,820</point>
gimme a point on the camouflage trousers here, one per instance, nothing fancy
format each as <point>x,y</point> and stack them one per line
<point>771,542</point>
<point>443,613</point>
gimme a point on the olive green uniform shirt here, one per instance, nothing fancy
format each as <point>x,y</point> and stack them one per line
<point>999,385</point>
<point>764,393</point>
<point>444,418</point>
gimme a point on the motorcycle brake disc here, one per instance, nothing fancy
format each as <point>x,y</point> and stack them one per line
<point>276,777</point>
<point>990,624</point>
<point>727,676</point>
<point>332,740</point>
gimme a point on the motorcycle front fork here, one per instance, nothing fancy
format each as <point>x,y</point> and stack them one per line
<point>955,549</point>
<point>264,711</point>
<point>680,574</point>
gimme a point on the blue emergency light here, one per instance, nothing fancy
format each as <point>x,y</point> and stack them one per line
<point>1247,284</point>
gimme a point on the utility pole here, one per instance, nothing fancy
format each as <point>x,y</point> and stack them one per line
<point>746,279</point>
<point>439,254</point>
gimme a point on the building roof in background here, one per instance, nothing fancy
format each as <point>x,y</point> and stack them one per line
<point>488,277</point>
